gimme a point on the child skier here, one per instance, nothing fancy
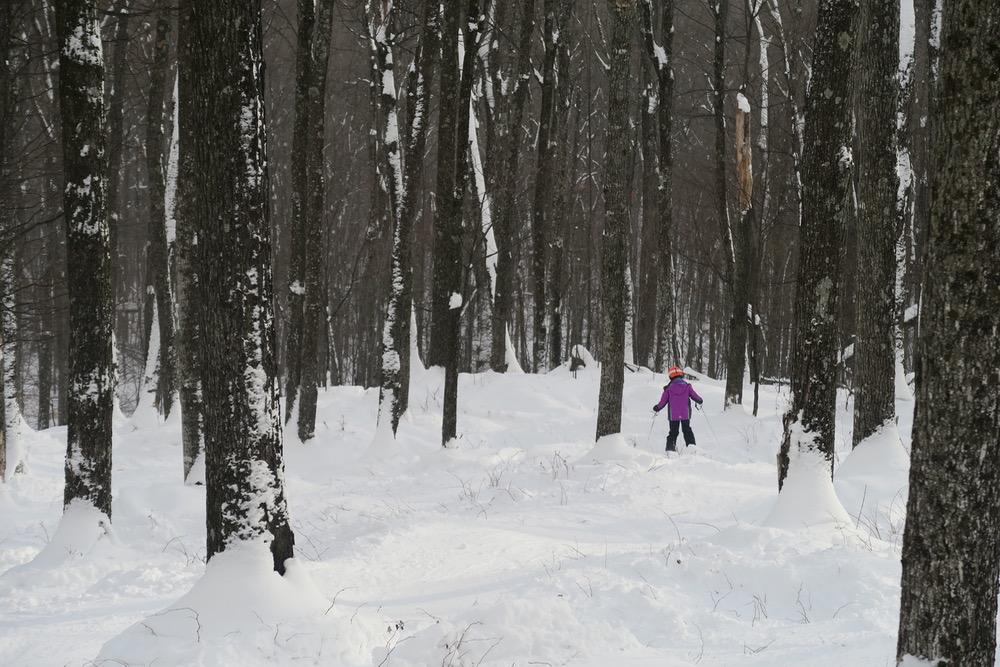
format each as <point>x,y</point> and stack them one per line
<point>677,396</point>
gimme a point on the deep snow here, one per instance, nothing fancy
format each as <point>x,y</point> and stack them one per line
<point>524,544</point>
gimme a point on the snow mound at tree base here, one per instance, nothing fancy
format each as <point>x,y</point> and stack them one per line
<point>240,601</point>
<point>807,497</point>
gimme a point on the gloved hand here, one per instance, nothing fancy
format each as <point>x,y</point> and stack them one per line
<point>655,409</point>
<point>697,406</point>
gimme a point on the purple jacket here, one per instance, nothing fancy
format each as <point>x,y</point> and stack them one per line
<point>678,394</point>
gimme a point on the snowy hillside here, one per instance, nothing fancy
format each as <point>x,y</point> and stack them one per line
<point>524,545</point>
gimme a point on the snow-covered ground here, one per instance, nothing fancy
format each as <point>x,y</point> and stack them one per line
<point>525,544</point>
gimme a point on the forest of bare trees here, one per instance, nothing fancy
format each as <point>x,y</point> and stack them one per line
<point>324,189</point>
<point>534,93</point>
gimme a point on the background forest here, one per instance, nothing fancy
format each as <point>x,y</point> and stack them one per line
<point>547,223</point>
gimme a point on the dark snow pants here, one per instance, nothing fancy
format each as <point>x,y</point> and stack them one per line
<point>684,425</point>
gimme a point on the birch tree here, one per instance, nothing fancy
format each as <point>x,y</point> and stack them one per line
<point>395,347</point>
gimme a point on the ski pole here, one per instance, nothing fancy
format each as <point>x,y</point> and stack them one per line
<point>652,423</point>
<point>707,421</point>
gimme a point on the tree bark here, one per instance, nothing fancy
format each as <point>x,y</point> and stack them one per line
<point>313,304</point>
<point>948,609</point>
<point>453,132</point>
<point>299,193</point>
<point>874,366</point>
<point>809,424</point>
<point>245,497</point>
<point>614,292</point>
<point>158,270</point>
<point>649,260</point>
<point>744,265</point>
<point>12,59</point>
<point>659,55</point>
<point>448,222</point>
<point>88,253</point>
<point>189,308</point>
<point>509,111</point>
<point>560,183</point>
<point>540,226</point>
<point>115,97</point>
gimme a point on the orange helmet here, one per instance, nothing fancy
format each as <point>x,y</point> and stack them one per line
<point>675,372</point>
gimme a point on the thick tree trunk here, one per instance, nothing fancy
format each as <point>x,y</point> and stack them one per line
<point>809,423</point>
<point>245,499</point>
<point>614,291</point>
<point>948,609</point>
<point>877,92</point>
<point>88,254</point>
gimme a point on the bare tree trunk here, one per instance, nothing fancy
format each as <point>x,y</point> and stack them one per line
<point>646,316</point>
<point>509,113</point>
<point>948,609</point>
<point>12,60</point>
<point>313,309</point>
<point>744,266</point>
<point>720,15</point>
<point>120,12</point>
<point>659,55</point>
<point>453,132</point>
<point>809,423</point>
<point>395,336</point>
<point>614,292</point>
<point>245,498</point>
<point>88,250</point>
<point>560,183</point>
<point>189,306</point>
<point>877,105</point>
<point>543,184</point>
<point>158,270</point>
<point>418,112</point>
<point>299,193</point>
